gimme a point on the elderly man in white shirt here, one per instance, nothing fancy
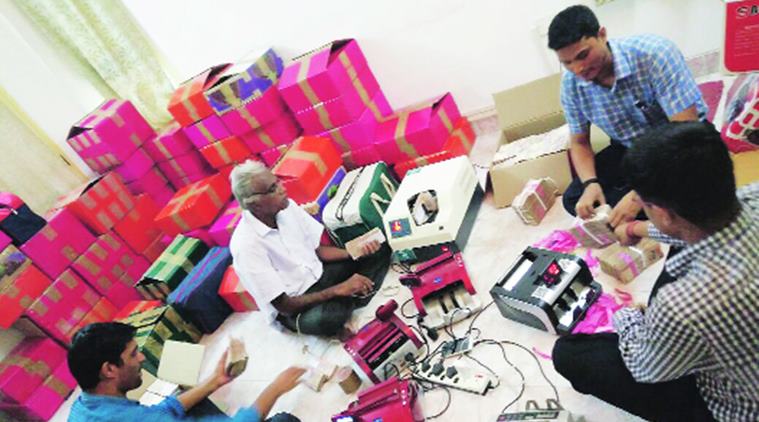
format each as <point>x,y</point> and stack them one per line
<point>307,287</point>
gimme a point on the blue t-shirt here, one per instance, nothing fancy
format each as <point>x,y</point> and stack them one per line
<point>91,407</point>
<point>652,83</point>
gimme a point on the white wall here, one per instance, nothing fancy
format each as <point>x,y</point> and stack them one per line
<point>417,48</point>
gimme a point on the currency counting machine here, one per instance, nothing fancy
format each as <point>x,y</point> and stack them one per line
<point>547,290</point>
<point>433,210</point>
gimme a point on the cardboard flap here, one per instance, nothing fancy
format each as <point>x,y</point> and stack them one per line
<point>530,108</point>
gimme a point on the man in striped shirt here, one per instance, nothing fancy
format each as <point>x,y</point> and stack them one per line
<point>694,353</point>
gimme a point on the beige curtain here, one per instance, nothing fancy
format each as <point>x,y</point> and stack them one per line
<point>111,49</point>
<point>31,165</point>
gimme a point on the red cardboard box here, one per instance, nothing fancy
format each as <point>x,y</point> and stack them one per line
<point>103,311</point>
<point>46,399</point>
<point>21,283</point>
<point>228,151</point>
<point>188,104</point>
<point>136,306</point>
<point>99,204</point>
<point>138,228</point>
<point>27,366</point>
<point>235,294</point>
<point>417,130</point>
<point>153,184</point>
<point>194,206</point>
<point>58,244</point>
<point>307,167</point>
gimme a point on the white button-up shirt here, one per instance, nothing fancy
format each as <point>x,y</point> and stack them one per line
<point>270,261</point>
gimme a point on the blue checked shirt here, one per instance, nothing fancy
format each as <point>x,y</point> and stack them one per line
<point>97,408</point>
<point>707,321</point>
<point>652,83</point>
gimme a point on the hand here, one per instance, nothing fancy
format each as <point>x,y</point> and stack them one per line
<point>287,379</point>
<point>356,285</point>
<point>621,232</point>
<point>626,210</point>
<point>370,247</point>
<point>220,376</point>
<point>592,195</point>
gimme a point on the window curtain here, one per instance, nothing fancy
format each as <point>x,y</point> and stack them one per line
<point>111,49</point>
<point>32,166</point>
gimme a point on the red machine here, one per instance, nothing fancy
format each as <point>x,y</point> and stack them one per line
<point>442,289</point>
<point>391,401</point>
<point>380,347</point>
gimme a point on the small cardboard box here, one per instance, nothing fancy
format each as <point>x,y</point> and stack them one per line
<point>185,169</point>
<point>195,205</point>
<point>231,150</point>
<point>135,166</point>
<point>221,230</point>
<point>20,285</point>
<point>47,398</point>
<point>188,104</point>
<point>459,143</point>
<point>360,132</point>
<point>235,294</point>
<point>27,366</point>
<point>272,155</point>
<point>281,131</point>
<point>245,81</point>
<point>207,131</point>
<point>138,228</point>
<point>254,113</point>
<point>170,142</point>
<point>360,157</point>
<point>103,311</point>
<point>153,184</point>
<point>526,110</point>
<point>307,167</point>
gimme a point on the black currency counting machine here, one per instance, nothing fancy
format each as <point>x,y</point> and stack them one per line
<point>547,290</point>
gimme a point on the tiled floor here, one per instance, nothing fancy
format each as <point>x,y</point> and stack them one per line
<point>497,238</point>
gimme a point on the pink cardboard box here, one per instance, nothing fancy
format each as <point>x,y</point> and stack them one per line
<point>221,230</point>
<point>170,142</point>
<point>351,103</point>
<point>207,131</point>
<point>282,130</point>
<point>58,244</point>
<point>154,184</point>
<point>4,241</point>
<point>360,133</point>
<point>255,113</point>
<point>202,233</point>
<point>27,366</point>
<point>62,306</point>
<point>114,130</point>
<point>360,157</point>
<point>272,155</point>
<point>185,169</point>
<point>321,75</point>
<point>47,398</point>
<point>135,166</point>
<point>417,130</point>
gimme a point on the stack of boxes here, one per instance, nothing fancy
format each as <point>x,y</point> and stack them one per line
<point>177,158</point>
<point>335,95</point>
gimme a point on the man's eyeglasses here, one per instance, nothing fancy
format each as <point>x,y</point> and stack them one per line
<point>272,189</point>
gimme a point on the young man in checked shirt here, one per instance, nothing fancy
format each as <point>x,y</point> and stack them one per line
<point>625,86</point>
<point>693,354</point>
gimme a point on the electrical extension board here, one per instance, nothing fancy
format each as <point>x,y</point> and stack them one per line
<point>456,347</point>
<point>457,376</point>
<point>537,416</point>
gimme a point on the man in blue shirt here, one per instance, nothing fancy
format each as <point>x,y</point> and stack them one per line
<point>624,86</point>
<point>106,363</point>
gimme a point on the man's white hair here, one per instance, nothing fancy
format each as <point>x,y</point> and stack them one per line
<point>242,179</point>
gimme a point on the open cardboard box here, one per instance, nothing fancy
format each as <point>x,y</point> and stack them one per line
<point>525,110</point>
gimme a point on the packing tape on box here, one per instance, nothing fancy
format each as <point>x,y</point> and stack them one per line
<point>249,118</point>
<point>303,83</point>
<point>323,116</point>
<point>186,101</point>
<point>313,157</point>
<point>400,137</point>
<point>201,126</point>
<point>58,387</point>
<point>222,152</point>
<point>337,136</point>
<point>31,367</point>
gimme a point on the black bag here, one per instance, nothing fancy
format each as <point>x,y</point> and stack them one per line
<point>17,220</point>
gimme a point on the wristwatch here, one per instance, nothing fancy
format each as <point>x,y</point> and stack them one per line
<point>590,181</point>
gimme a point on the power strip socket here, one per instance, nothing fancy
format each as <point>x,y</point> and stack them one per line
<point>457,376</point>
<point>537,416</point>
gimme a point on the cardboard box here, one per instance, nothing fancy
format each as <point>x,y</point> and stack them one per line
<point>109,135</point>
<point>417,130</point>
<point>207,131</point>
<point>233,292</point>
<point>188,104</point>
<point>170,142</point>
<point>746,167</point>
<point>99,204</point>
<point>322,74</point>
<point>156,248</point>
<point>316,207</point>
<point>195,205</point>
<point>185,169</point>
<point>135,167</point>
<point>625,262</point>
<point>254,113</point>
<point>180,362</point>
<point>360,157</point>
<point>526,110</point>
<point>221,230</point>
<point>360,132</point>
<point>63,304</point>
<point>139,229</point>
<point>231,150</point>
<point>4,241</point>
<point>58,244</point>
<point>171,267</point>
<point>153,184</point>
<point>307,167</point>
<point>459,143</point>
<point>21,283</point>
<point>202,234</point>
<point>46,399</point>
<point>154,328</point>
<point>272,156</point>
<point>27,366</point>
<point>245,81</point>
<point>282,130</point>
<point>339,111</point>
<point>135,307</point>
<point>103,311</point>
